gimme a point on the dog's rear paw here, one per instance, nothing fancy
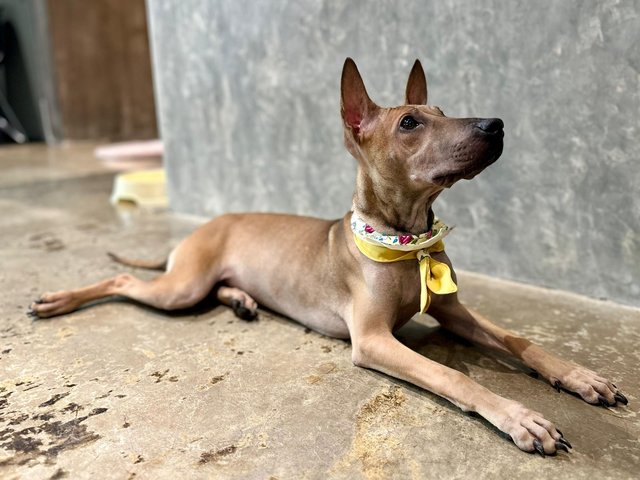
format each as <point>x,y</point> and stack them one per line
<point>241,311</point>
<point>240,301</point>
<point>52,304</point>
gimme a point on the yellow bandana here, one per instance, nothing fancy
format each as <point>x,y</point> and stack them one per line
<point>435,276</point>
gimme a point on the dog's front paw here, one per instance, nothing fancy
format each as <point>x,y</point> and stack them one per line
<point>531,432</point>
<point>589,385</point>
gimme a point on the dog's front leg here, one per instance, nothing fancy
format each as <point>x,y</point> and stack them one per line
<point>375,347</point>
<point>593,388</point>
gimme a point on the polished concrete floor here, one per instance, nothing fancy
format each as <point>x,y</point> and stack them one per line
<point>120,391</point>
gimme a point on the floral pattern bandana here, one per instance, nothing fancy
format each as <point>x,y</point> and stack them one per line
<point>406,243</point>
<point>435,276</point>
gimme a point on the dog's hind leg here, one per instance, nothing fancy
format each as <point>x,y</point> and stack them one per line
<point>189,280</point>
<point>169,291</point>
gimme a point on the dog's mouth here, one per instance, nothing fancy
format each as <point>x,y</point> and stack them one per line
<point>468,171</point>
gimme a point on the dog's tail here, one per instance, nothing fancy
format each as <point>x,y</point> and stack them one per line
<point>148,264</point>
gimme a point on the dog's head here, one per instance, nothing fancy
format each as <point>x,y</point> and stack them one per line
<point>415,146</point>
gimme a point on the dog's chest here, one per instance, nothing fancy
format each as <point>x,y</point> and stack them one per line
<point>396,284</point>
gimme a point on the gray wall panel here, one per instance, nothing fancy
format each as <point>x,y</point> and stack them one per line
<point>248,95</point>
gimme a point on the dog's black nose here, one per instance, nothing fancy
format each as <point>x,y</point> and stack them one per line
<point>490,125</point>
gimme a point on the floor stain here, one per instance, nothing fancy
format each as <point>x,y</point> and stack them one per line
<point>320,371</point>
<point>262,439</point>
<point>376,449</point>
<point>72,407</point>
<point>325,368</point>
<point>19,419</point>
<point>104,395</point>
<point>218,378</point>
<point>159,375</point>
<point>57,397</point>
<point>46,241</point>
<point>60,473</point>
<point>213,381</point>
<point>216,455</point>
<point>47,438</point>
<point>312,379</point>
<point>4,398</point>
<point>43,416</point>
<point>66,332</point>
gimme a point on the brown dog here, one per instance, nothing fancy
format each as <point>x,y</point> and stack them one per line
<point>345,279</point>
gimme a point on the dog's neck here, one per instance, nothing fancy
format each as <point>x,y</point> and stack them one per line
<point>392,209</point>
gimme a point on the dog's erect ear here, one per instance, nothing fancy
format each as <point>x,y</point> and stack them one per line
<point>416,93</point>
<point>355,104</point>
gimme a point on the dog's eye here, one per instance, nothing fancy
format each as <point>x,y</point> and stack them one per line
<point>408,123</point>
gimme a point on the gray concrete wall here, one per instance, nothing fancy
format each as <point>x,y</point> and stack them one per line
<point>248,95</point>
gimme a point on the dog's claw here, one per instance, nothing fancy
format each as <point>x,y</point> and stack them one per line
<point>241,311</point>
<point>562,446</point>
<point>33,314</point>
<point>619,396</point>
<point>561,434</point>
<point>557,385</point>
<point>603,401</point>
<point>563,440</point>
<point>538,446</point>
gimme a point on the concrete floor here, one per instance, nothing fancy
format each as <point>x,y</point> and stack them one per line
<point>119,391</point>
